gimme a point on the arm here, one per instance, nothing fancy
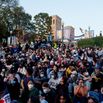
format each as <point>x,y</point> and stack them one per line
<point>76,89</point>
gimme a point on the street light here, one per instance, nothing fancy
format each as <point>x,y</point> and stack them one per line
<point>62,33</point>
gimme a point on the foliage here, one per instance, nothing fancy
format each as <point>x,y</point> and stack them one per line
<point>13,17</point>
<point>42,23</point>
<point>96,41</point>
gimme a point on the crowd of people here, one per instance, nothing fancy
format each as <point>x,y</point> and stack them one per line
<point>44,74</point>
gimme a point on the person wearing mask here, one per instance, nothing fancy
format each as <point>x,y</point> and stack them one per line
<point>48,93</point>
<point>53,81</point>
<point>12,85</point>
<point>80,92</point>
<point>33,91</point>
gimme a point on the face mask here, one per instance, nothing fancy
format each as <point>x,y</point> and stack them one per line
<point>30,86</point>
<point>86,74</point>
<point>72,76</point>
<point>52,76</point>
<point>45,90</point>
<point>41,75</point>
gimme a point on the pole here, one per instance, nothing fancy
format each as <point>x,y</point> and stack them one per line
<point>62,33</point>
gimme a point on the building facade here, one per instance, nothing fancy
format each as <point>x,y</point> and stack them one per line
<point>88,34</point>
<point>56,25</point>
<point>69,33</point>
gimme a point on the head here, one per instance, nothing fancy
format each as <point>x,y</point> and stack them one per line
<point>92,100</point>
<point>97,70</point>
<point>81,82</point>
<point>45,87</point>
<point>62,98</point>
<point>29,71</point>
<point>30,84</point>
<point>11,76</point>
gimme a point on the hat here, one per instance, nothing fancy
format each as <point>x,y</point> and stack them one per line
<point>94,95</point>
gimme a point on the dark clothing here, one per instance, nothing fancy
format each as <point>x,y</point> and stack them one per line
<point>96,83</point>
<point>50,96</point>
<point>79,99</point>
<point>33,92</point>
<point>14,89</point>
<point>62,89</point>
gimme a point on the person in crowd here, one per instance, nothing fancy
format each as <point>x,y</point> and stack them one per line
<point>53,81</point>
<point>59,67</point>
<point>4,94</point>
<point>48,92</point>
<point>24,82</point>
<point>97,78</point>
<point>62,87</point>
<point>12,85</point>
<point>62,98</point>
<point>33,91</point>
<point>33,99</point>
<point>92,100</point>
<point>80,92</point>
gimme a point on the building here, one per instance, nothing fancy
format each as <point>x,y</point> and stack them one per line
<point>88,34</point>
<point>56,25</point>
<point>69,32</point>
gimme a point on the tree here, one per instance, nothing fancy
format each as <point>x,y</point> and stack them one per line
<point>8,3</point>
<point>14,18</point>
<point>96,41</point>
<point>6,8</point>
<point>22,20</point>
<point>42,23</point>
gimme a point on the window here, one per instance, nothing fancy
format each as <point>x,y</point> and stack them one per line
<point>53,21</point>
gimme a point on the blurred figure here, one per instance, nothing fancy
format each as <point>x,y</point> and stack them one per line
<point>33,91</point>
<point>80,92</point>
<point>62,98</point>
<point>92,100</point>
<point>13,85</point>
<point>4,94</point>
<point>48,92</point>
